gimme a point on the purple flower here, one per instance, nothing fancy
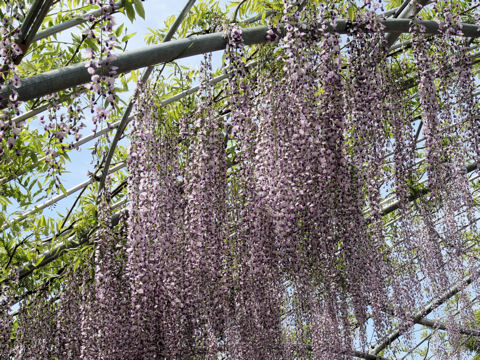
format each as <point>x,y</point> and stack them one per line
<point>89,53</point>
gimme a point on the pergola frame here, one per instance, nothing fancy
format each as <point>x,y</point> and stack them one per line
<point>76,75</point>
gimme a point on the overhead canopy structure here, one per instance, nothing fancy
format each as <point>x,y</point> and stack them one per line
<point>75,75</point>
<point>52,88</point>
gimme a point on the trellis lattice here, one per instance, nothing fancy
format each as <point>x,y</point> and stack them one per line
<point>277,209</point>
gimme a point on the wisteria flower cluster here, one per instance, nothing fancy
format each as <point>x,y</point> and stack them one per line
<point>10,50</point>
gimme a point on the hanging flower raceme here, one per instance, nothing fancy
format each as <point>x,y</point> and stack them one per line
<point>143,243</point>
<point>10,51</point>
<point>156,249</point>
<point>303,184</point>
<point>445,145</point>
<point>69,339</point>
<point>6,321</point>
<point>405,284</point>
<point>368,139</point>
<point>99,66</point>
<point>205,218</point>
<point>112,304</point>
<point>37,330</point>
<point>254,312</point>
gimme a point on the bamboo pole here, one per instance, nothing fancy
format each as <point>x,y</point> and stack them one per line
<point>75,21</point>
<point>77,74</point>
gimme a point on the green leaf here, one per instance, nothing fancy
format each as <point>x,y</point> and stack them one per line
<point>139,8</point>
<point>39,261</point>
<point>130,10</point>
<point>91,43</point>
<point>62,189</point>
<point>119,30</point>
<point>351,13</point>
<point>41,222</point>
<point>128,36</point>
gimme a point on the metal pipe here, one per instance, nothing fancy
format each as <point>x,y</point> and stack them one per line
<point>77,74</point>
<point>406,11</point>
<point>75,21</point>
<point>387,340</point>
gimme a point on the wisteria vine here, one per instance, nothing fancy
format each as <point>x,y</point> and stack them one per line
<point>256,226</point>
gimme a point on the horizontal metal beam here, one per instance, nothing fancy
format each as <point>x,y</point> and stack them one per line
<point>77,74</point>
<point>76,21</point>
<point>435,324</point>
